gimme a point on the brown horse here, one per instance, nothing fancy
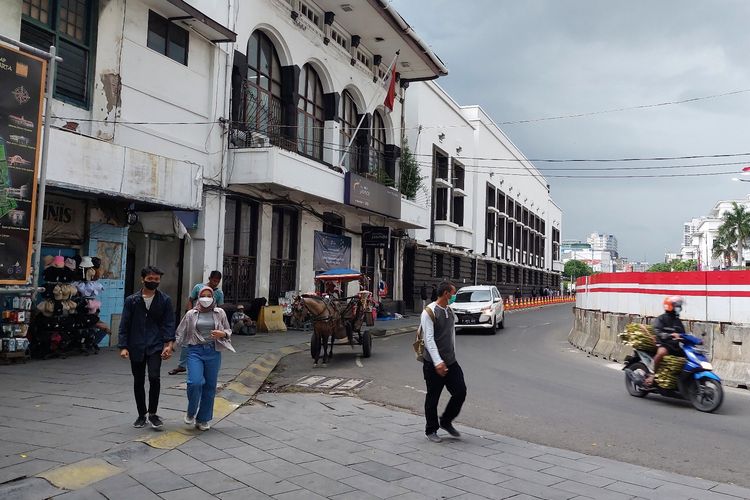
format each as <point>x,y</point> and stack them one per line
<point>327,323</point>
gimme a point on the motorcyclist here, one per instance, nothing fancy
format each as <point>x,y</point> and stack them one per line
<point>668,328</point>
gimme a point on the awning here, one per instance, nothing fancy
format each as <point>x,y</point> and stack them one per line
<point>200,22</point>
<point>339,274</point>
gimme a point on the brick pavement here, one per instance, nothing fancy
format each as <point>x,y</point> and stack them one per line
<point>70,422</point>
<point>289,446</point>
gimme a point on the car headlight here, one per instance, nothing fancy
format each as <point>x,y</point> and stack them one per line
<point>487,311</point>
<point>707,366</point>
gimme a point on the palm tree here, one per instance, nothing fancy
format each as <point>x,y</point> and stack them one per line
<point>735,229</point>
<point>724,249</point>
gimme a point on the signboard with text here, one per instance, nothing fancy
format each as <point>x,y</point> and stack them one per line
<point>21,98</point>
<point>372,196</point>
<point>376,237</point>
<point>331,251</point>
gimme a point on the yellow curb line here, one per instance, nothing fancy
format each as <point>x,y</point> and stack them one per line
<point>81,474</point>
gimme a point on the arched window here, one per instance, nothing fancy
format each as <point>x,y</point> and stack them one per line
<point>263,105</point>
<point>377,147</point>
<point>349,122</point>
<point>310,118</point>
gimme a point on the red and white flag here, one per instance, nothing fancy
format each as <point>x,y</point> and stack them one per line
<point>389,83</point>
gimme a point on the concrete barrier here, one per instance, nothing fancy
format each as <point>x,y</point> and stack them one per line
<point>731,355</point>
<point>728,345</point>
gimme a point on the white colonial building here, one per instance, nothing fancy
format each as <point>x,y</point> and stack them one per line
<point>491,221</point>
<point>704,230</point>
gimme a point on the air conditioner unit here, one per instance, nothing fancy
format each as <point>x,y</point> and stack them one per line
<point>258,140</point>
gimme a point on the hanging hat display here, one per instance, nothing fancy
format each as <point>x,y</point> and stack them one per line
<point>58,262</point>
<point>86,262</point>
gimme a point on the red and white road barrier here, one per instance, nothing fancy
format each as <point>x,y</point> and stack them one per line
<point>716,296</point>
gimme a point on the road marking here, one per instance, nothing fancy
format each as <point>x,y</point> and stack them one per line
<point>614,366</point>
<point>359,362</point>
<point>350,384</point>
<point>330,383</point>
<point>415,389</point>
<point>308,381</point>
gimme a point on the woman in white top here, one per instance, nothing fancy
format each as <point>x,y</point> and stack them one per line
<point>204,331</point>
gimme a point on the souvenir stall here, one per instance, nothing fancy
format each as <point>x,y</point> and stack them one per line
<point>67,316</point>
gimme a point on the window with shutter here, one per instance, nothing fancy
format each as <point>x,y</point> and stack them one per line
<point>69,25</point>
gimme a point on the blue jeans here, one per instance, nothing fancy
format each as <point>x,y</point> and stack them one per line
<point>203,363</point>
<point>183,358</point>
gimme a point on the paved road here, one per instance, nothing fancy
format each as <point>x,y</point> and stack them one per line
<point>527,382</point>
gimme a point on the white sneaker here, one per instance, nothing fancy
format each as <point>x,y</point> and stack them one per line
<point>189,420</point>
<point>203,426</point>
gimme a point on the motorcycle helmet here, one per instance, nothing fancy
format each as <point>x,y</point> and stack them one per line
<point>673,304</point>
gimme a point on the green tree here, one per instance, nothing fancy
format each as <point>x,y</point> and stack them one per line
<point>660,267</point>
<point>723,248</point>
<point>576,268</point>
<point>684,265</point>
<point>735,229</point>
<point>411,180</point>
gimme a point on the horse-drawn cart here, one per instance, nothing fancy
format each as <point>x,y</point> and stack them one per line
<point>337,317</point>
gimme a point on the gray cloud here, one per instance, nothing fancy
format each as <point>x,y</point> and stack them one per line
<point>539,58</point>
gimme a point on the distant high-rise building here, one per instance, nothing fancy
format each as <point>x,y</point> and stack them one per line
<point>603,242</point>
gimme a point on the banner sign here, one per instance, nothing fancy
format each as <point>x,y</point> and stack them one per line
<point>367,194</point>
<point>331,251</point>
<point>64,220</point>
<point>22,80</point>
<point>376,237</point>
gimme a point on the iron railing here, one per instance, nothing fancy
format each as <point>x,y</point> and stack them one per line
<point>239,279</point>
<point>282,280</point>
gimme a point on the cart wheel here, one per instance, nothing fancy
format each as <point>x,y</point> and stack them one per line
<point>366,345</point>
<point>314,345</point>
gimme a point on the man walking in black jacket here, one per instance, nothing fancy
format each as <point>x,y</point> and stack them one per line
<point>146,337</point>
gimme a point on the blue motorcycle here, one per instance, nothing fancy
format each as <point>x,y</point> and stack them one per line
<point>696,382</point>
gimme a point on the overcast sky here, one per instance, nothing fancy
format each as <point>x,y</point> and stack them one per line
<point>527,59</point>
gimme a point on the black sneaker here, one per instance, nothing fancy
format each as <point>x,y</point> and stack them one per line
<point>155,421</point>
<point>450,430</point>
<point>140,422</point>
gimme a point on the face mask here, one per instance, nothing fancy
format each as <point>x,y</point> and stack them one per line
<point>206,301</point>
<point>677,309</point>
<point>151,285</point>
<point>452,299</point>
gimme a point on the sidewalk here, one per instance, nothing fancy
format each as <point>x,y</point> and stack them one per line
<point>314,446</point>
<point>62,411</point>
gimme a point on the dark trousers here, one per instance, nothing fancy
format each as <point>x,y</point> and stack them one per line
<point>153,363</point>
<point>454,382</point>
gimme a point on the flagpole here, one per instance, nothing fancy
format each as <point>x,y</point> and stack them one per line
<point>361,120</point>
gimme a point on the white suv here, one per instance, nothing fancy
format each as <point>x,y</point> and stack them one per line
<point>479,307</point>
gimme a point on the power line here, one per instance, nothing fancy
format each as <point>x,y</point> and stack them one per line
<point>626,108</point>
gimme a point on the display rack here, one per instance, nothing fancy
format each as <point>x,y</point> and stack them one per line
<point>16,314</point>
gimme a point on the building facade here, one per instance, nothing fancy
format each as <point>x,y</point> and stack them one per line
<point>135,109</point>
<point>314,153</point>
<point>490,222</point>
<point>603,242</point>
